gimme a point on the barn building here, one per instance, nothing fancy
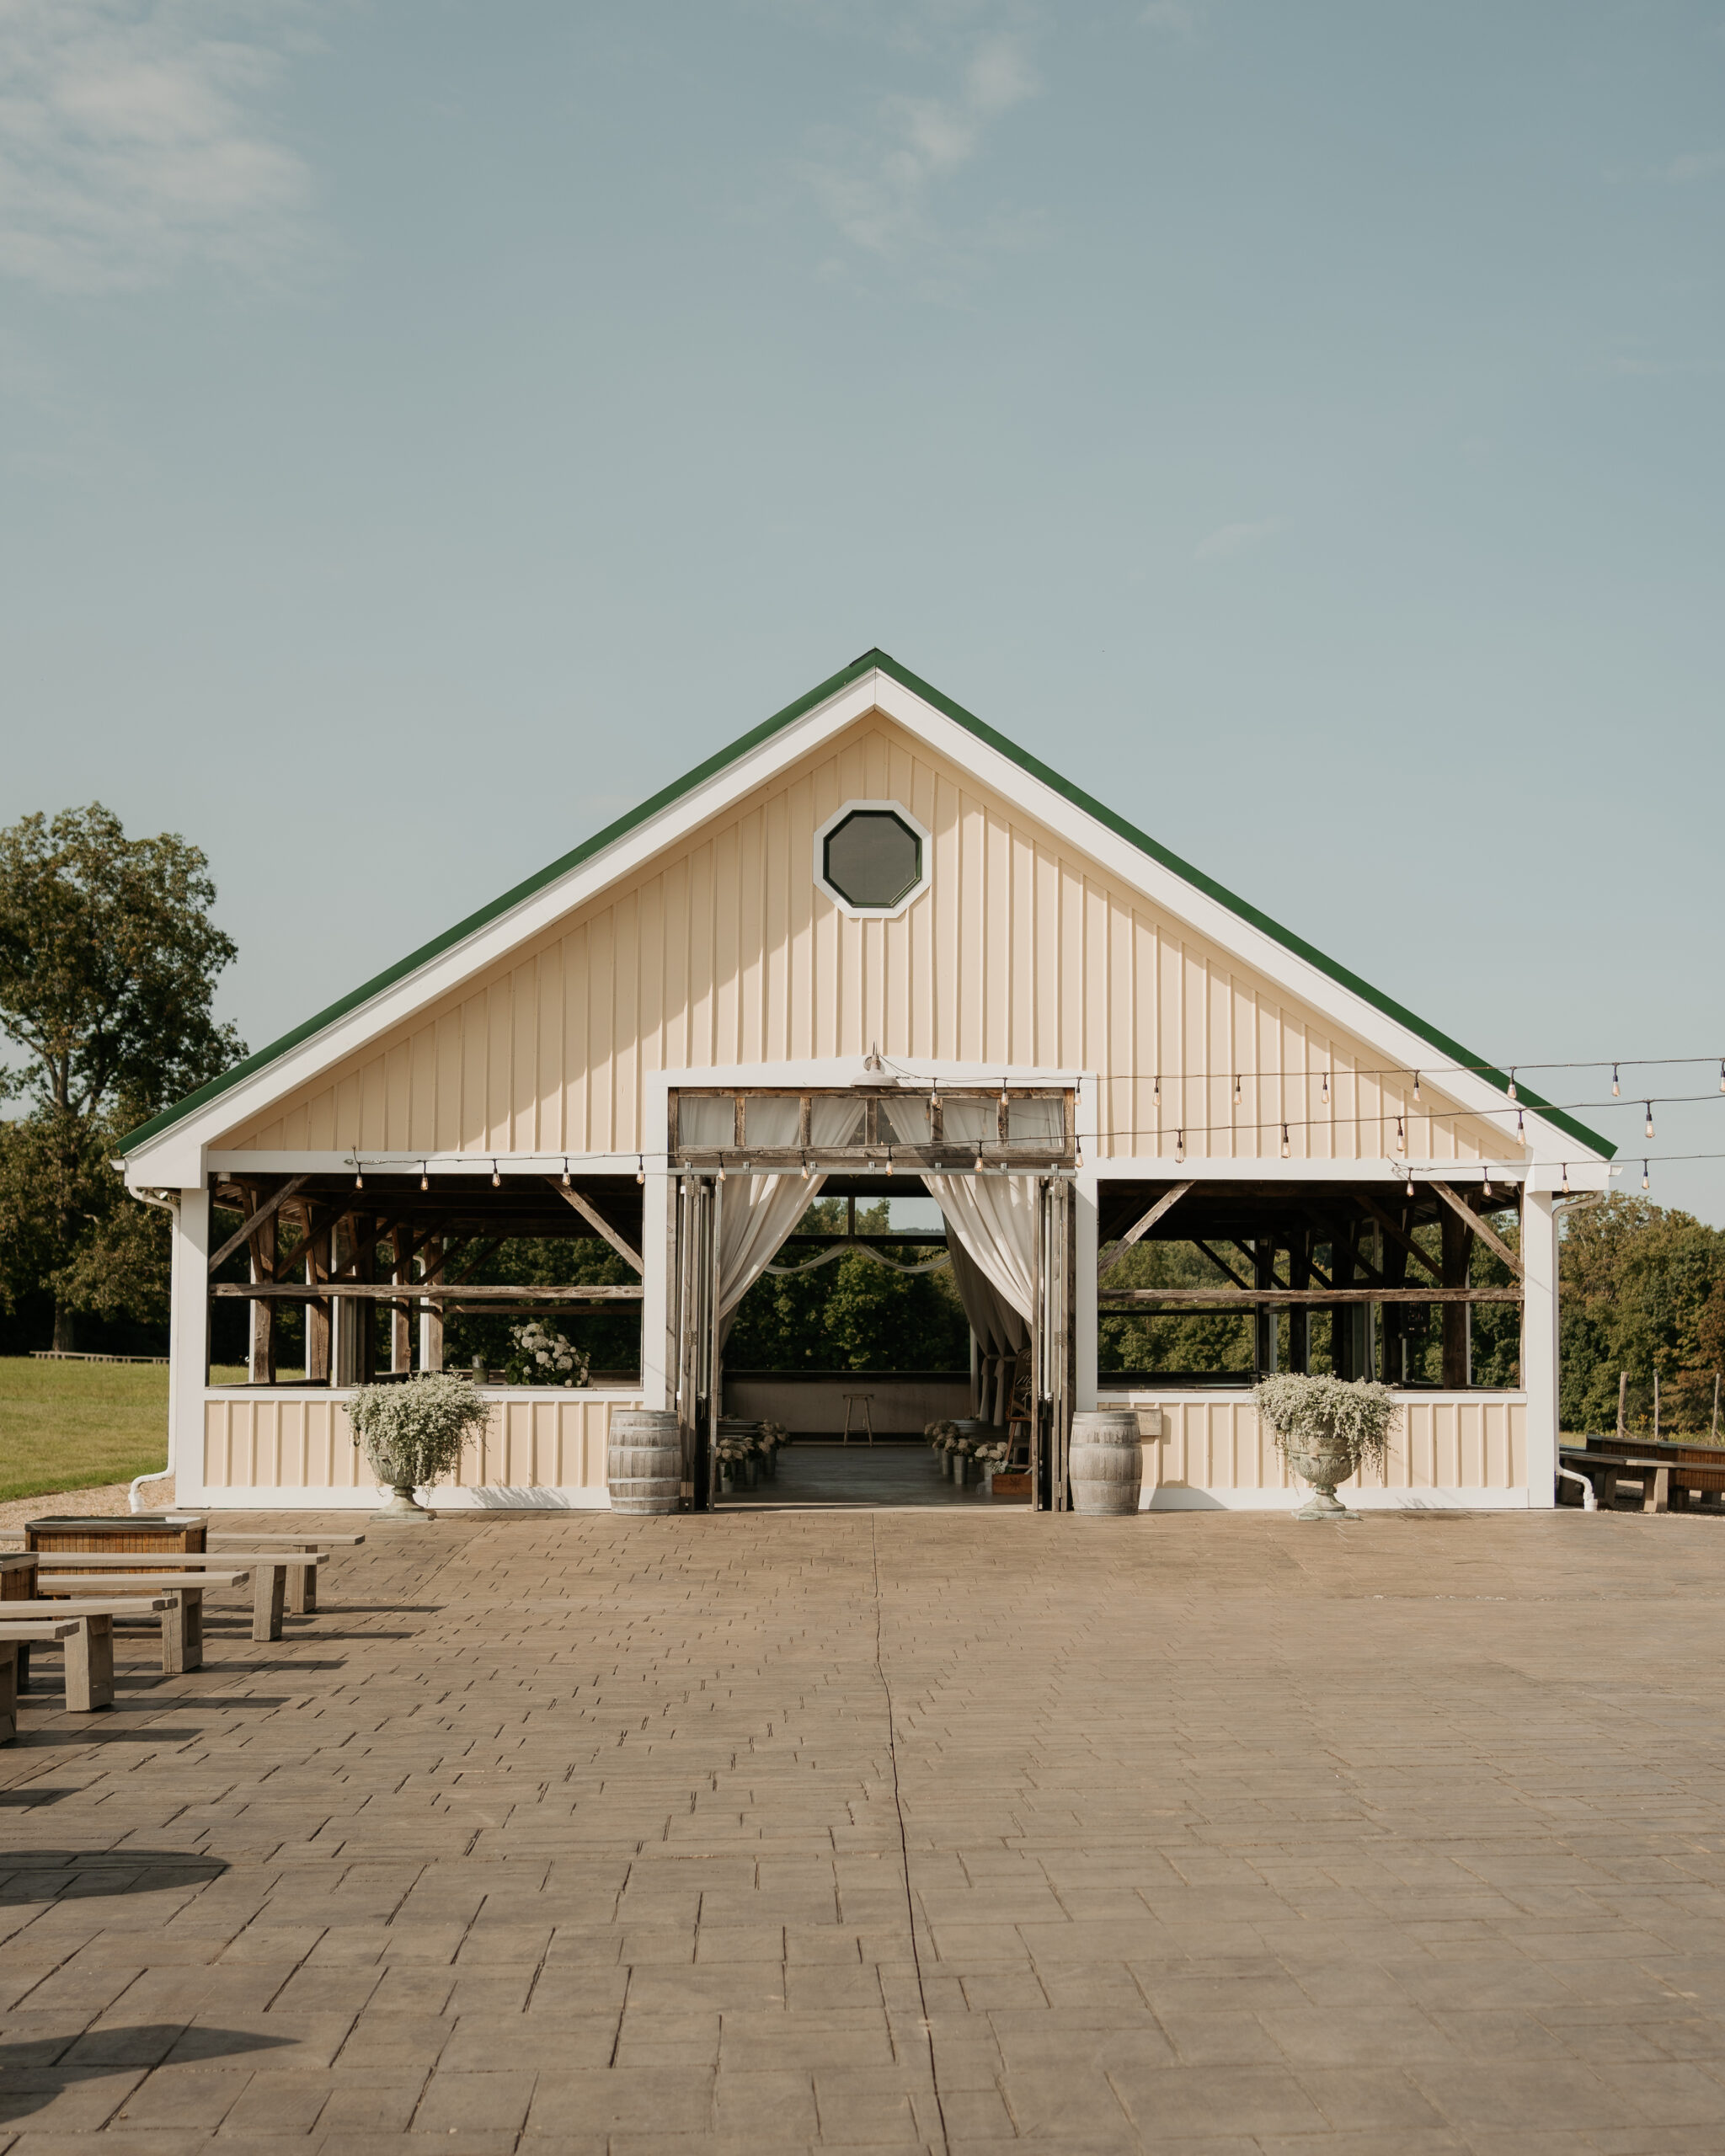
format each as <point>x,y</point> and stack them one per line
<point>870,951</point>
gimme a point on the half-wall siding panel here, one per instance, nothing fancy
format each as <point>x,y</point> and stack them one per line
<point>1023,953</point>
<point>1213,1441</point>
<point>290,1442</point>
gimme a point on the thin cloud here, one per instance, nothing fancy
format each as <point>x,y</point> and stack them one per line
<point>1697,164</point>
<point>877,182</point>
<point>133,140</point>
<point>1235,539</point>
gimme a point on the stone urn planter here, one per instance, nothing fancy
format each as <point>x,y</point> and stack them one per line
<point>1327,1429</point>
<point>413,1435</point>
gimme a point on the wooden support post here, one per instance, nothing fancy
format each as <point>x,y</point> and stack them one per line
<point>1300,1319</point>
<point>1395,1316</point>
<point>431,1314</point>
<point>365,1316</point>
<point>183,1631</point>
<point>1457,1244</point>
<point>1342,1313</point>
<point>89,1665</point>
<point>1622,1404</point>
<point>317,1313</point>
<point>401,1313</point>
<point>262,1360</point>
<point>9,1690</point>
<point>1263,1321</point>
<point>268,1600</point>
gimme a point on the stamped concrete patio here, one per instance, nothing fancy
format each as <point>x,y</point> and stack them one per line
<point>942,1830</point>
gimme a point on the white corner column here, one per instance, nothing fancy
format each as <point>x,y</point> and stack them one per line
<point>658,1198</point>
<point>1539,1344</point>
<point>188,1345</point>
<point>1085,1327</point>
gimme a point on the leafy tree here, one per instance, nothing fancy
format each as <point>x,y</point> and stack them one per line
<point>1160,1342</point>
<point>1642,1290</point>
<point>852,1314</point>
<point>108,964</point>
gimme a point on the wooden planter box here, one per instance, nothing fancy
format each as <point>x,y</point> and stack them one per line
<point>1013,1488</point>
<point>126,1535</point>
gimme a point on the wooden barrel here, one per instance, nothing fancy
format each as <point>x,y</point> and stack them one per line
<point>1107,1464</point>
<point>643,1467</point>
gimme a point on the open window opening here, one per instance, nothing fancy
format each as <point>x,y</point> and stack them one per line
<point>1221,1284</point>
<point>349,1279</point>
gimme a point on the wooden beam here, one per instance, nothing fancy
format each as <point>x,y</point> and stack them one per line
<point>1394,1229</point>
<point>1244,1299</point>
<point>595,1219</point>
<point>316,1225</point>
<point>254,1220</point>
<point>1168,1199</point>
<point>386,1291</point>
<point>1489,1236</point>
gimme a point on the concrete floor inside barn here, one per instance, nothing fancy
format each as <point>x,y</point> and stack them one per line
<point>948,1829</point>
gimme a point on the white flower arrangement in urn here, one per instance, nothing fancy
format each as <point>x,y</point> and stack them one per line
<point>540,1355</point>
<point>956,1451</point>
<point>1326,1429</point>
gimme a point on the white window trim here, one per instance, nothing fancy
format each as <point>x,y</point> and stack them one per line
<point>925,839</point>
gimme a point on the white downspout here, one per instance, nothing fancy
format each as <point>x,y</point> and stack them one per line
<point>169,1204</point>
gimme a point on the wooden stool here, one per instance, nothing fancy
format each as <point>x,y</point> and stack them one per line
<point>867,1398</point>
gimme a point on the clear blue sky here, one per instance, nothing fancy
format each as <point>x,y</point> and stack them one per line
<point>429,426</point>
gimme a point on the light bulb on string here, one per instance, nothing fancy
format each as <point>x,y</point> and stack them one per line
<point>1179,1144</point>
<point>1512,1094</point>
<point>888,1161</point>
<point>1488,1186</point>
<point>1284,1141</point>
<point>565,1171</point>
<point>1410,1186</point>
<point>1722,1074</point>
<point>1324,1097</point>
<point>1236,1089</point>
<point>1650,1118</point>
<point>1416,1085</point>
<point>721,1170</point>
<point>979,1164</point>
<point>1565,1178</point>
<point>1401,1136</point>
<point>1156,1091</point>
<point>424,1178</point>
<point>1006,1098</point>
<point>1644,1183</point>
<point>805,1167</point>
<point>359,1176</point>
<point>1520,1125</point>
<point>640,1167</point>
<point>1617,1090</point>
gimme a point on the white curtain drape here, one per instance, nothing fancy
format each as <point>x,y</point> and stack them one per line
<point>756,1213</point>
<point>995,1219</point>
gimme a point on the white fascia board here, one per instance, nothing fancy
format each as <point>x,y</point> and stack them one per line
<point>1210,918</point>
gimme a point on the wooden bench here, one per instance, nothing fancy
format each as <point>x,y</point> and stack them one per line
<point>15,1640</point>
<point>182,1621</point>
<point>269,1568</point>
<point>90,1642</point>
<point>302,1587</point>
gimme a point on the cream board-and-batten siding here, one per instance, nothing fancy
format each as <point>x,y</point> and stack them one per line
<point>1211,1449</point>
<point>692,940</point>
<point>1023,953</point>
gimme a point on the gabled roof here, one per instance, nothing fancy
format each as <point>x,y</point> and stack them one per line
<point>881,662</point>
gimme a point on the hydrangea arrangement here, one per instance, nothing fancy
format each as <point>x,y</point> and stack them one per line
<point>1306,1411</point>
<point>540,1355</point>
<point>414,1433</point>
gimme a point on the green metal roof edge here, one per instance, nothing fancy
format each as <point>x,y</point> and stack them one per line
<point>869,661</point>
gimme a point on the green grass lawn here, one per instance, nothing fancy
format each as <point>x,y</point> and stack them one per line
<point>69,1426</point>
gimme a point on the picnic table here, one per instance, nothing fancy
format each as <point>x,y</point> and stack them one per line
<point>1670,1474</point>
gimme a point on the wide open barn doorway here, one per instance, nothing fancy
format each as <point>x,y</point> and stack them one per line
<point>848,1220</point>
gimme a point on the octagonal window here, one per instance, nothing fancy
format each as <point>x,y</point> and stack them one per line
<point>872,859</point>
